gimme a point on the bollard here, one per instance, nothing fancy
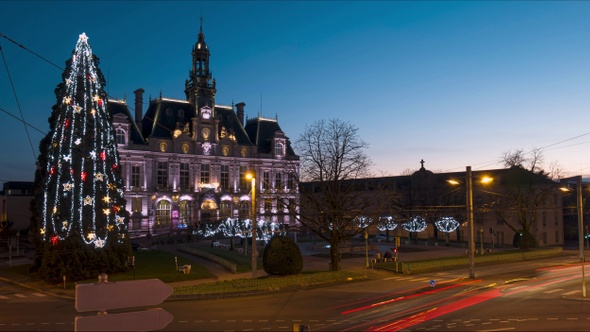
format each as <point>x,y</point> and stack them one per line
<point>103,277</point>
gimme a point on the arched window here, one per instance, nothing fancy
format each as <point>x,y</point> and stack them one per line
<point>245,210</point>
<point>120,136</point>
<point>163,214</point>
<point>184,214</point>
<point>279,150</point>
<point>225,209</point>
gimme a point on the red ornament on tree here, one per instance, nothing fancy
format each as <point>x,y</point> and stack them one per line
<point>54,240</point>
<point>103,156</point>
<point>83,176</point>
<point>100,102</point>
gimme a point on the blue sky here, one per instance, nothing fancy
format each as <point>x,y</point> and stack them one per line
<point>453,83</point>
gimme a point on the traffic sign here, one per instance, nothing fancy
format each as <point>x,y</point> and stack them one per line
<point>104,296</point>
<point>147,320</point>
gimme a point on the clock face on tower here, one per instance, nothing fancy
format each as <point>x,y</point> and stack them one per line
<point>205,132</point>
<point>225,151</point>
<point>244,152</point>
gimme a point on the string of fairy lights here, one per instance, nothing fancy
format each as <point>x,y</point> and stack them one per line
<point>82,191</point>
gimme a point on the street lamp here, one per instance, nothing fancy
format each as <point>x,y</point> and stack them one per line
<point>580,209</point>
<point>252,176</point>
<point>469,208</point>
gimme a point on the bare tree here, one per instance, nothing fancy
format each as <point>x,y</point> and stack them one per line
<point>529,189</point>
<point>513,158</point>
<point>534,163</point>
<point>334,203</point>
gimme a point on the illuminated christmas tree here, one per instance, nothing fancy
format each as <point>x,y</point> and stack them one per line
<point>82,189</point>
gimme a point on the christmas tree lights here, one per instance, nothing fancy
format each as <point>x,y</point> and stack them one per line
<point>83,189</point>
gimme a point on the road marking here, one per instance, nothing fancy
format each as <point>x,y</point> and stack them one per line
<point>553,291</point>
<point>20,296</point>
<point>572,292</point>
<point>2,297</point>
<point>39,294</point>
<point>419,279</point>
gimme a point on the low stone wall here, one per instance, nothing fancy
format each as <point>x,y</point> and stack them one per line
<point>450,262</point>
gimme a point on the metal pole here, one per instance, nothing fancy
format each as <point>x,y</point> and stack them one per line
<point>366,236</point>
<point>254,248</point>
<point>471,243</point>
<point>581,231</point>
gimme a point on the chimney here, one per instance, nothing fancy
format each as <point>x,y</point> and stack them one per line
<point>138,107</point>
<point>240,112</point>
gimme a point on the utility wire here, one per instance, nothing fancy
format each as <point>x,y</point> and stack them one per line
<point>18,103</point>
<point>26,49</point>
<point>26,123</point>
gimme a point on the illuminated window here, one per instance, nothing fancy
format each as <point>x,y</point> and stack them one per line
<point>120,136</point>
<point>279,181</point>
<point>279,150</point>
<point>245,184</point>
<point>225,209</point>
<point>163,210</point>
<point>184,214</point>
<point>184,176</point>
<point>205,174</point>
<point>162,174</point>
<point>267,205</point>
<point>244,211</point>
<point>135,176</point>
<point>265,180</point>
<point>224,177</point>
<point>136,204</point>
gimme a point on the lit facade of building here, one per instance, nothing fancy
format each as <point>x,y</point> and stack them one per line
<point>185,161</point>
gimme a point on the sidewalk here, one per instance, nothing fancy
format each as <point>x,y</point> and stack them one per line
<point>313,260</point>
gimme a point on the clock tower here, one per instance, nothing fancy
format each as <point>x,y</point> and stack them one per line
<point>200,87</point>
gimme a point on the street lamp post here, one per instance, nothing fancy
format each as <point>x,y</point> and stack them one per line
<point>580,210</point>
<point>581,230</point>
<point>471,240</point>
<point>252,176</point>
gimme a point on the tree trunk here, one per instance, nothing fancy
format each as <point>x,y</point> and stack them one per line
<point>334,256</point>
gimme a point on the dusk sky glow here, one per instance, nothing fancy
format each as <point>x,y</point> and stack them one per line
<point>453,83</point>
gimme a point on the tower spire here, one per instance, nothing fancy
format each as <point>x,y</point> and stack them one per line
<point>200,87</point>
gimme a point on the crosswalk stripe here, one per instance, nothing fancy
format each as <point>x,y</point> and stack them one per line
<point>2,297</point>
<point>20,296</point>
<point>39,294</point>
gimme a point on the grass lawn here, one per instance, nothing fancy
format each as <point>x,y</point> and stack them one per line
<point>148,265</point>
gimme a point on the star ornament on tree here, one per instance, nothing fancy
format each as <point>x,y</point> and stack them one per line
<point>82,37</point>
<point>88,200</point>
<point>99,243</point>
<point>68,186</point>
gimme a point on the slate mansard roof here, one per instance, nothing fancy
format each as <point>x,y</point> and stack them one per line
<point>165,115</point>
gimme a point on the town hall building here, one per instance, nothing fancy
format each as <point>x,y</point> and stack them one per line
<point>185,162</point>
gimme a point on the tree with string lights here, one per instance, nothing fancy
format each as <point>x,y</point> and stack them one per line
<point>81,223</point>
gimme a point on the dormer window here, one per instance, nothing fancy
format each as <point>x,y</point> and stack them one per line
<point>121,137</point>
<point>279,149</point>
<point>206,113</point>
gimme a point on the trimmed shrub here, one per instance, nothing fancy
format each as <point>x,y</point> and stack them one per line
<point>282,256</point>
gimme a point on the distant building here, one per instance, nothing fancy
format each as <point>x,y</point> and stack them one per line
<point>185,161</point>
<point>431,197</point>
<point>15,201</point>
